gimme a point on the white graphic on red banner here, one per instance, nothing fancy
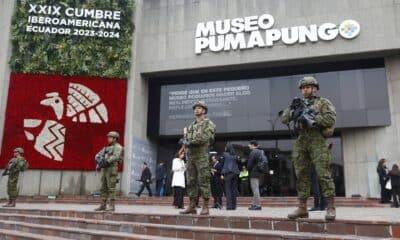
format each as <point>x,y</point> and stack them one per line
<point>83,106</point>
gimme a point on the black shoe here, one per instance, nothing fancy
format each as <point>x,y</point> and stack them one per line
<point>313,209</point>
<point>255,208</point>
<point>137,194</point>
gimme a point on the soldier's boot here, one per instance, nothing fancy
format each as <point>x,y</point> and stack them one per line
<point>103,206</point>
<point>111,206</point>
<point>330,211</point>
<point>301,211</point>
<point>7,204</point>
<point>205,210</point>
<point>191,208</point>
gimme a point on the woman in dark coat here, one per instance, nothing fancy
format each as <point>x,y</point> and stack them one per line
<point>230,172</point>
<point>383,174</point>
<point>216,182</point>
<point>395,181</point>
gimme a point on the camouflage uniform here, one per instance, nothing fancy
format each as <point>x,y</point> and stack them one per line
<point>311,148</point>
<point>109,177</point>
<point>198,169</point>
<point>18,164</point>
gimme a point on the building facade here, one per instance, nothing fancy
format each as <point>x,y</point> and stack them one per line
<point>244,57</point>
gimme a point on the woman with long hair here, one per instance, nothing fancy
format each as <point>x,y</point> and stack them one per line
<point>383,174</point>
<point>178,178</point>
<point>230,172</point>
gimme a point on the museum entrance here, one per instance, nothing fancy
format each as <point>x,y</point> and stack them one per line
<point>281,179</point>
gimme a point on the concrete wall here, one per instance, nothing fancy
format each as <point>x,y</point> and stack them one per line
<point>362,148</point>
<point>167,40</point>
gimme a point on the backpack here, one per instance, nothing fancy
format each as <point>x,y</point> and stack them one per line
<point>262,163</point>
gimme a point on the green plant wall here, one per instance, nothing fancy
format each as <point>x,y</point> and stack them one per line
<point>72,55</point>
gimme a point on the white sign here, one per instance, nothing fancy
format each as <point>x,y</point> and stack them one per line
<point>256,31</point>
<point>53,19</point>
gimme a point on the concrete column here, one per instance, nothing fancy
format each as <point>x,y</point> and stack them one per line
<point>136,112</point>
<point>362,148</point>
<point>6,11</point>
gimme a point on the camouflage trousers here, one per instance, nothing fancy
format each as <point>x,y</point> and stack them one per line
<point>310,149</point>
<point>109,179</point>
<point>12,188</point>
<point>198,176</point>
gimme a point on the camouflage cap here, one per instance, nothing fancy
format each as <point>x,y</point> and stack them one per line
<point>307,81</point>
<point>113,134</point>
<point>200,104</point>
<point>19,150</point>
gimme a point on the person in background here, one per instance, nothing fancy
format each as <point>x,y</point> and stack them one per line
<point>244,181</point>
<point>145,179</point>
<point>230,171</point>
<point>160,179</point>
<point>216,182</point>
<point>255,174</point>
<point>178,179</point>
<point>320,203</point>
<point>383,174</point>
<point>395,181</point>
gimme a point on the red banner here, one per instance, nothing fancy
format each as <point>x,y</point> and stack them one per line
<point>60,121</point>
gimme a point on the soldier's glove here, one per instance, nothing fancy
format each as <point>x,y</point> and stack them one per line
<point>295,103</point>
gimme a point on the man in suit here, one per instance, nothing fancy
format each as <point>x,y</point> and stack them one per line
<point>145,179</point>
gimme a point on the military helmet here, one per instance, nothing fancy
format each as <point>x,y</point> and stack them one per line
<point>113,134</point>
<point>307,81</point>
<point>19,150</point>
<point>200,104</point>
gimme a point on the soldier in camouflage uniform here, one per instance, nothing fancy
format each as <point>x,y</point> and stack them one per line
<point>311,148</point>
<point>15,166</point>
<point>197,139</point>
<point>109,174</point>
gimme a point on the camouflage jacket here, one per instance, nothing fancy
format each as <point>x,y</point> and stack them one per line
<point>16,165</point>
<point>114,153</point>
<point>201,134</point>
<point>325,113</point>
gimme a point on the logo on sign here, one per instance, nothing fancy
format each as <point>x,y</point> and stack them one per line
<point>82,105</point>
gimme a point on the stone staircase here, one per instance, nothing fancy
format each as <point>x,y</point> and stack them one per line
<point>21,223</point>
<point>167,201</point>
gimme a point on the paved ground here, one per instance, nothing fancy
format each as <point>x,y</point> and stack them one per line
<point>348,213</point>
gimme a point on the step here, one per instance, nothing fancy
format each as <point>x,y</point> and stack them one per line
<point>167,230</point>
<point>6,234</point>
<point>166,201</point>
<point>338,227</point>
<point>75,233</point>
